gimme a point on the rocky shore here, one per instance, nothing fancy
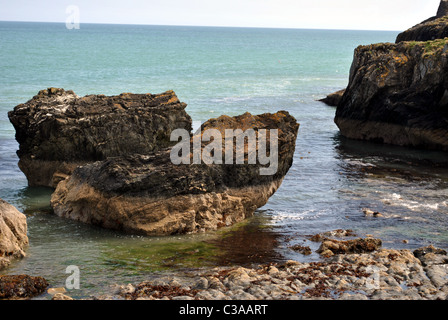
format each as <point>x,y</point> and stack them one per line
<point>384,274</point>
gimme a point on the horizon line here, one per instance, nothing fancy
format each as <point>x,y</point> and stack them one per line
<point>205,26</point>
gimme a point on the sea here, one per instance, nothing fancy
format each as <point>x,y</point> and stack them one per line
<point>217,71</point>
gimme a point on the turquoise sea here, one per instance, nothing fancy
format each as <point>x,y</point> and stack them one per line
<point>218,71</point>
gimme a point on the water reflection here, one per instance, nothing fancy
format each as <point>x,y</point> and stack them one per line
<point>409,186</point>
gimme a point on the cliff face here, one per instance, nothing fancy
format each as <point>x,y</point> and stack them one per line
<point>433,28</point>
<point>149,195</point>
<point>398,94</point>
<point>58,131</point>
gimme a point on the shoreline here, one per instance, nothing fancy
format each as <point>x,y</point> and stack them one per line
<point>386,274</point>
<point>383,274</point>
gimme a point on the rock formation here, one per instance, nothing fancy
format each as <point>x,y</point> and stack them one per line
<point>433,28</point>
<point>334,98</point>
<point>13,233</point>
<point>398,94</point>
<point>149,195</point>
<point>58,131</point>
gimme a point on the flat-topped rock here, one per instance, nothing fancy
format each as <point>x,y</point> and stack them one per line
<point>58,131</point>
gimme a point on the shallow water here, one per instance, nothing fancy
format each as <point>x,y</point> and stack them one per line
<point>218,71</point>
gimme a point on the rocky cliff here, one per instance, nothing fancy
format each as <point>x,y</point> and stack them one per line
<point>433,28</point>
<point>58,131</point>
<point>13,234</point>
<point>398,94</point>
<point>149,195</point>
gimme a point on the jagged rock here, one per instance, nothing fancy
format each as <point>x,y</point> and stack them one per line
<point>13,233</point>
<point>433,28</point>
<point>21,286</point>
<point>334,98</point>
<point>58,131</point>
<point>361,245</point>
<point>398,94</point>
<point>148,194</point>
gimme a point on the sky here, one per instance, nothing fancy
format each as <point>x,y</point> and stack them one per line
<point>394,15</point>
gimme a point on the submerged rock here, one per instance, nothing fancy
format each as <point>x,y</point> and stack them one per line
<point>21,286</point>
<point>433,28</point>
<point>58,131</point>
<point>13,233</point>
<point>398,94</point>
<point>148,194</point>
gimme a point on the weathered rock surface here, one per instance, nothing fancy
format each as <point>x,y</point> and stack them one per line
<point>433,28</point>
<point>21,286</point>
<point>13,233</point>
<point>148,194</point>
<point>58,131</point>
<point>334,98</point>
<point>385,274</point>
<point>398,94</point>
<point>330,247</point>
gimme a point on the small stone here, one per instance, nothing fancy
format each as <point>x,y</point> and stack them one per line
<point>61,296</point>
<point>53,291</point>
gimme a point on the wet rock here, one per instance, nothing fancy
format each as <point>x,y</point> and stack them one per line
<point>305,250</point>
<point>421,252</point>
<point>370,213</point>
<point>350,246</point>
<point>150,195</point>
<point>333,99</point>
<point>21,286</point>
<point>338,233</point>
<point>13,234</point>
<point>385,274</point>
<point>58,131</point>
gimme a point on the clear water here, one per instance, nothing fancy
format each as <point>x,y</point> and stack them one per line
<point>218,71</point>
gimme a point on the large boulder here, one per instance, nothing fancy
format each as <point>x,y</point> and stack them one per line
<point>13,234</point>
<point>398,94</point>
<point>150,195</point>
<point>58,131</point>
<point>433,28</point>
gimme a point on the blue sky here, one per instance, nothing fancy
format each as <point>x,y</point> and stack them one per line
<point>321,14</point>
